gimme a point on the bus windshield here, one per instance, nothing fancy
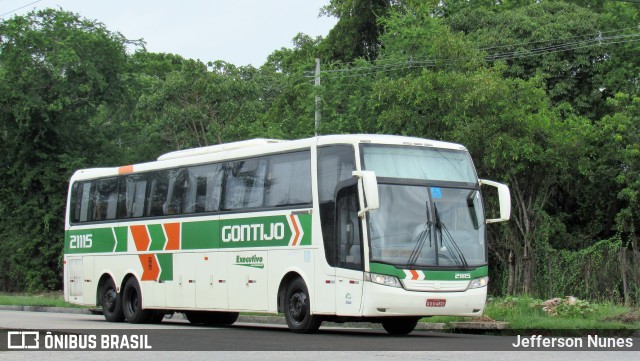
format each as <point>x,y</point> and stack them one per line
<point>423,163</point>
<point>428,226</point>
<point>422,223</point>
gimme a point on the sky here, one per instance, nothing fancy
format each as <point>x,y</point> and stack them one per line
<point>240,32</point>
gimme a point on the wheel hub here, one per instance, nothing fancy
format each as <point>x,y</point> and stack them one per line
<point>297,305</point>
<point>110,299</point>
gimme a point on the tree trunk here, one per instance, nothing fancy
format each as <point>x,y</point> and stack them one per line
<point>528,269</point>
<point>623,271</point>
<point>512,274</point>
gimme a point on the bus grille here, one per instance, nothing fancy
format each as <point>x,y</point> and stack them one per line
<point>435,286</point>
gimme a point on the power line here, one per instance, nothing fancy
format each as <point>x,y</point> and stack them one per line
<point>384,62</point>
<point>20,8</point>
<point>426,63</point>
<point>562,39</point>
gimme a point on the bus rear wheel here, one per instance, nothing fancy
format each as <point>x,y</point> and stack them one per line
<point>111,302</point>
<point>400,326</point>
<point>297,309</point>
<point>132,303</point>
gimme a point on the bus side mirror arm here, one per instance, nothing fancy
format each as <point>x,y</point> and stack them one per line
<point>504,198</point>
<point>370,188</point>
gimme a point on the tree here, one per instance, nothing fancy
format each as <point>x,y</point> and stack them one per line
<point>200,105</point>
<point>56,71</point>
<point>356,35</point>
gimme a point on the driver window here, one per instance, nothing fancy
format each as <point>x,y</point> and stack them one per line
<point>348,232</point>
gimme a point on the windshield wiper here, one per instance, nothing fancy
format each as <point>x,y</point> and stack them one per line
<point>422,237</point>
<point>455,251</point>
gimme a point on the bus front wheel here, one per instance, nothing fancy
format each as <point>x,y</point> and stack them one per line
<point>111,302</point>
<point>400,326</point>
<point>132,303</point>
<point>297,309</point>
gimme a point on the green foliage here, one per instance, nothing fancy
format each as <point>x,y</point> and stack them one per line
<point>356,35</point>
<point>57,70</point>
<point>581,309</point>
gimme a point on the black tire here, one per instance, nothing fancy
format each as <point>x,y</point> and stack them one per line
<point>400,326</point>
<point>221,318</point>
<point>132,303</point>
<point>297,309</point>
<point>212,318</point>
<point>111,302</point>
<point>157,316</point>
<point>195,317</point>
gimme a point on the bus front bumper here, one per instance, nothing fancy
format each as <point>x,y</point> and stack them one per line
<point>381,301</point>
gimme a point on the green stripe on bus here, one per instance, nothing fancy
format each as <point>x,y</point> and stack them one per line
<point>441,275</point>
<point>305,222</point>
<point>385,269</point>
<point>158,238</point>
<point>269,231</point>
<point>166,266</point>
<point>98,240</point>
<point>121,238</point>
<point>200,235</point>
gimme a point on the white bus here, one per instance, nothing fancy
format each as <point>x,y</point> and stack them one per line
<point>374,228</point>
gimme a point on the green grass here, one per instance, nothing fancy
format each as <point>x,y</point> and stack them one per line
<point>47,299</point>
<point>526,313</point>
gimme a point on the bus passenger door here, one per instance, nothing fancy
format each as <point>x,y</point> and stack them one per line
<point>349,271</point>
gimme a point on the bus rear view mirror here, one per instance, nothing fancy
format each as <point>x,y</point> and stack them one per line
<point>370,188</point>
<point>504,197</point>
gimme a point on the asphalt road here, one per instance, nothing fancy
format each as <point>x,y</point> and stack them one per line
<point>177,338</point>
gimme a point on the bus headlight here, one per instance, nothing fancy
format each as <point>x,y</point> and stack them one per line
<point>479,282</point>
<point>382,279</point>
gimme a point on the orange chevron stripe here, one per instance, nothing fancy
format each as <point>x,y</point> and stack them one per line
<point>295,227</point>
<point>173,236</point>
<point>414,274</point>
<point>140,237</point>
<point>150,268</point>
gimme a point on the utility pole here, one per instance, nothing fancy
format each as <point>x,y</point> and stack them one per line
<point>317,84</point>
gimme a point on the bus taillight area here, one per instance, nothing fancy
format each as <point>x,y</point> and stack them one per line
<point>383,301</point>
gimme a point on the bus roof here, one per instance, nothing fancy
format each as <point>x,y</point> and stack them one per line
<point>257,146</point>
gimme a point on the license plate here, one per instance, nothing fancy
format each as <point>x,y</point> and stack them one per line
<point>436,302</point>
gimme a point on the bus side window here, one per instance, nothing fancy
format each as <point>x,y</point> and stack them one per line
<point>132,195</point>
<point>87,196</point>
<point>158,193</point>
<point>105,199</point>
<point>288,181</point>
<point>203,189</point>
<point>176,192</point>
<point>244,184</point>
<point>348,232</point>
<point>335,164</point>
<point>81,197</point>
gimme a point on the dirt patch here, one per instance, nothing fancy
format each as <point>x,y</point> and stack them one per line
<point>627,318</point>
